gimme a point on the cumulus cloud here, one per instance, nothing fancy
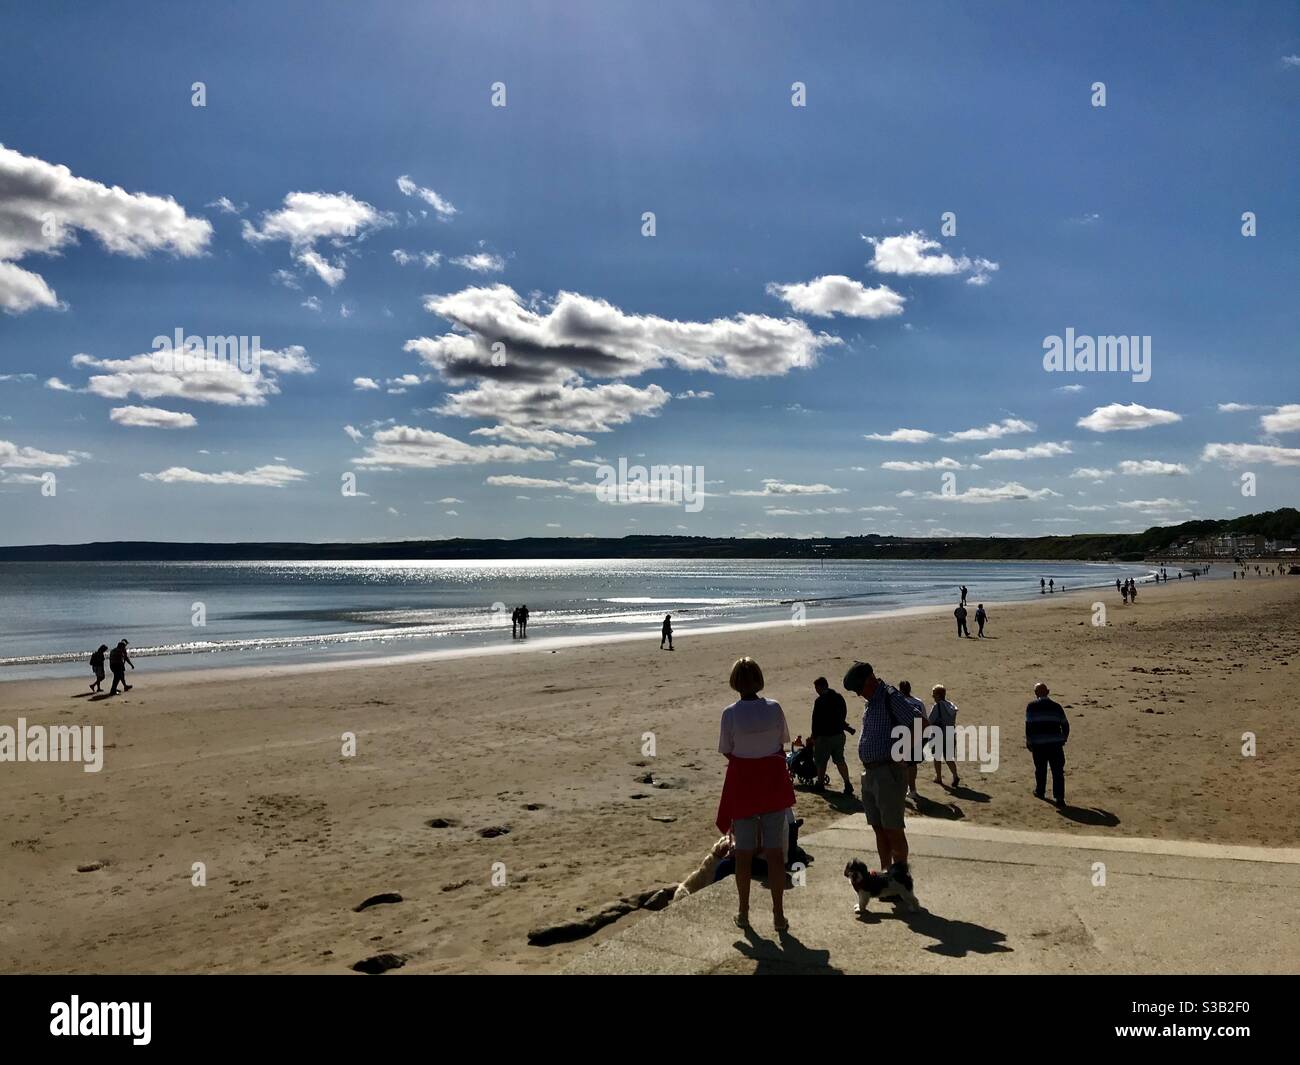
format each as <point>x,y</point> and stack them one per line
<point>1285,419</point>
<point>1244,454</point>
<point>1153,506</point>
<point>12,456</point>
<point>914,254</point>
<point>43,206</point>
<point>365,384</point>
<point>355,434</point>
<point>440,204</point>
<point>993,431</point>
<point>152,418</point>
<point>220,382</point>
<point>579,334</point>
<point>1011,491</point>
<point>944,463</point>
<point>1237,408</point>
<point>573,408</point>
<point>402,446</point>
<point>774,487</point>
<point>1036,451</point>
<point>1092,473</point>
<point>837,294</point>
<point>273,476</point>
<point>1152,468</point>
<point>1118,416</point>
<point>307,217</point>
<point>902,436</point>
<point>226,205</point>
<point>518,434</point>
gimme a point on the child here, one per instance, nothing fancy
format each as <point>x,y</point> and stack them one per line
<point>97,664</point>
<point>944,716</point>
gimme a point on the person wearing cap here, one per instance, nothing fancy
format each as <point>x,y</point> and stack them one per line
<point>118,660</point>
<point>884,769</point>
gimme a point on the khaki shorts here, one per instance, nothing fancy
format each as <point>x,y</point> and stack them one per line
<point>883,787</point>
<point>828,749</point>
<point>764,829</point>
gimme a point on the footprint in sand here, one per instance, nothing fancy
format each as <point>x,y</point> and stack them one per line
<point>381,899</point>
<point>379,963</point>
<point>442,822</point>
<point>91,867</point>
<point>494,831</point>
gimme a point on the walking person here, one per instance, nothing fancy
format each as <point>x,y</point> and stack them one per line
<point>981,616</point>
<point>757,793</point>
<point>523,621</point>
<point>514,624</point>
<point>829,723</point>
<point>97,667</point>
<point>1051,585</point>
<point>1046,731</point>
<point>960,615</point>
<point>1117,585</point>
<point>943,716</point>
<point>912,762</point>
<point>118,660</point>
<point>666,632</point>
<point>884,778</point>
<point>1042,586</point>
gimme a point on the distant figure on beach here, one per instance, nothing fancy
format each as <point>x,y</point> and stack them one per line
<point>963,595</point>
<point>118,660</point>
<point>1132,591</point>
<point>666,633</point>
<point>829,723</point>
<point>514,624</point>
<point>757,792</point>
<point>1124,592</point>
<point>97,667</point>
<point>1051,585</point>
<point>943,715</point>
<point>523,621</point>
<point>905,690</point>
<point>981,616</point>
<point>883,778</point>
<point>1046,732</point>
<point>1042,586</point>
<point>960,615</point>
<point>1118,587</point>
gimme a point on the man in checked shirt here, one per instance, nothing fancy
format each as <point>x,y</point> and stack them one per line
<point>884,777</point>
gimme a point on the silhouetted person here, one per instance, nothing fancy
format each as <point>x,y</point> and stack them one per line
<point>666,633</point>
<point>963,595</point>
<point>1124,593</point>
<point>1051,585</point>
<point>981,616</point>
<point>118,660</point>
<point>905,690</point>
<point>1117,585</point>
<point>829,723</point>
<point>1042,586</point>
<point>960,615</point>
<point>1046,732</point>
<point>97,665</point>
<point>514,624</point>
<point>523,620</point>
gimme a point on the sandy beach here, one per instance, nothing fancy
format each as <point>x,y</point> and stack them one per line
<point>531,760</point>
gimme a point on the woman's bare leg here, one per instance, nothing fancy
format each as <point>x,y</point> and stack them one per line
<point>744,865</point>
<point>776,882</point>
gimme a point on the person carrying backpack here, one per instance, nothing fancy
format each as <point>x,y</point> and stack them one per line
<point>97,665</point>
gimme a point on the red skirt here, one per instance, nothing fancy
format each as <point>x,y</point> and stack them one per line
<point>754,786</point>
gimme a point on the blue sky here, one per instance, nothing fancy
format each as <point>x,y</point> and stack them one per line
<point>799,295</point>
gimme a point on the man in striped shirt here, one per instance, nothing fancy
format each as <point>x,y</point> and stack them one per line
<point>884,776</point>
<point>1046,730</point>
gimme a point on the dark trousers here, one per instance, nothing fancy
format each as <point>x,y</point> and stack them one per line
<point>962,630</point>
<point>1050,756</point>
<point>119,677</point>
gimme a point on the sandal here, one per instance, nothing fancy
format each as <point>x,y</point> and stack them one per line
<point>782,926</point>
<point>740,922</point>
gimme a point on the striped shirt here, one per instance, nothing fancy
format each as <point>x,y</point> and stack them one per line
<point>1045,723</point>
<point>884,711</point>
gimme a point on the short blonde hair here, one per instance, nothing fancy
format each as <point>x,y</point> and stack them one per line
<point>938,689</point>
<point>746,677</point>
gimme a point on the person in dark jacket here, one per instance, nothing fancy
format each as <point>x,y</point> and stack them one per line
<point>829,723</point>
<point>1046,732</point>
<point>981,616</point>
<point>118,660</point>
<point>97,667</point>
<point>960,615</point>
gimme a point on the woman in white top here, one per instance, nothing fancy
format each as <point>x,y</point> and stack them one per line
<point>943,715</point>
<point>753,732</point>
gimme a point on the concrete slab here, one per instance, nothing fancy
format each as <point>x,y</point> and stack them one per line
<point>996,901</point>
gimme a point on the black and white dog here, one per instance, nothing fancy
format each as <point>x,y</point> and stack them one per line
<point>895,885</point>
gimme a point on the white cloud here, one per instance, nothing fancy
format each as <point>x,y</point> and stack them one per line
<point>582,409</point>
<point>307,217</point>
<point>993,431</point>
<point>774,487</point>
<point>428,259</point>
<point>944,463</point>
<point>1119,416</point>
<point>42,207</point>
<point>365,384</point>
<point>1285,419</point>
<point>914,254</point>
<point>518,434</point>
<point>1091,473</point>
<point>998,494</point>
<point>442,206</point>
<point>1237,408</point>
<point>311,303</point>
<point>331,273</point>
<point>405,446</point>
<point>226,205</point>
<point>1152,468</point>
<point>227,386</point>
<point>1035,451</point>
<point>481,262</point>
<point>1244,454</point>
<point>691,393</point>
<point>354,433</point>
<point>902,436</point>
<point>837,294</point>
<point>152,418</point>
<point>1069,388</point>
<point>261,477</point>
<point>1152,505</point>
<point>29,458</point>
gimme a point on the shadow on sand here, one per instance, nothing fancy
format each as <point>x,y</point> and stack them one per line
<point>784,954</point>
<point>1084,816</point>
<point>952,939</point>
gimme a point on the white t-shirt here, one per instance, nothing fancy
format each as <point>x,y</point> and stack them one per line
<point>753,728</point>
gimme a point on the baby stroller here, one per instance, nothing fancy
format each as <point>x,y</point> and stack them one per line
<point>803,766</point>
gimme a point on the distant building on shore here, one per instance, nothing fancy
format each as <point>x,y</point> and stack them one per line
<point>1232,546</point>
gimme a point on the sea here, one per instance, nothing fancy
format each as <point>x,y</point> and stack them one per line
<point>199,615</point>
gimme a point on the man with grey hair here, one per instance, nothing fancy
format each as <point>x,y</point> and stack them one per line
<point>884,777</point>
<point>1046,731</point>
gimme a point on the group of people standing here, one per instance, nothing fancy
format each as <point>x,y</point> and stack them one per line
<point>1128,589</point>
<point>118,660</point>
<point>758,793</point>
<point>981,616</point>
<point>519,622</point>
